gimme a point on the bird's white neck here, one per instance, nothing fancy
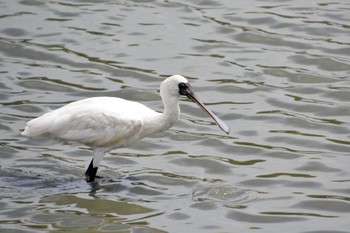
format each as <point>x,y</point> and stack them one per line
<point>166,119</point>
<point>171,112</point>
<point>170,97</point>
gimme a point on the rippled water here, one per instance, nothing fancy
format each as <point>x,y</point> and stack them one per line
<point>278,72</point>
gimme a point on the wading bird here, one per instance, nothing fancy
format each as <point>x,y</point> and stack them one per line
<point>106,123</point>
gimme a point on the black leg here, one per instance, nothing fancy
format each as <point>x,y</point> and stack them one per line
<point>91,172</point>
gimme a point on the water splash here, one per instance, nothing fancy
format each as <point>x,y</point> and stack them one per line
<point>229,195</point>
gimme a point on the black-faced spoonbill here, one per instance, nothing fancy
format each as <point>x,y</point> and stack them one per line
<point>106,123</point>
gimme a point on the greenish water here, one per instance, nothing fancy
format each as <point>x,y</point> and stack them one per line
<point>277,72</point>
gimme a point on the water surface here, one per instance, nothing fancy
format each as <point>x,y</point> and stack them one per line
<point>277,72</point>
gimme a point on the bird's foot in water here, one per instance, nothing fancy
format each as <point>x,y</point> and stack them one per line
<point>89,179</point>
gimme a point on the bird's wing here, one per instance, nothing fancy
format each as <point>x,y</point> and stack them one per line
<point>99,129</point>
<point>98,122</point>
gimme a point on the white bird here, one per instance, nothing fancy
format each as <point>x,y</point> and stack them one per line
<point>106,123</point>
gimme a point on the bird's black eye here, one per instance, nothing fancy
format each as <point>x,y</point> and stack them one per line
<point>183,88</point>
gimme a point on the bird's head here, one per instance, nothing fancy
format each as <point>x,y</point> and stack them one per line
<point>178,85</point>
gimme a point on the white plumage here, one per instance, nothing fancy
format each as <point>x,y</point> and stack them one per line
<point>105,123</point>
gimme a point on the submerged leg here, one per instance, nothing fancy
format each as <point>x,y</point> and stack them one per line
<point>95,162</point>
<point>90,173</point>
